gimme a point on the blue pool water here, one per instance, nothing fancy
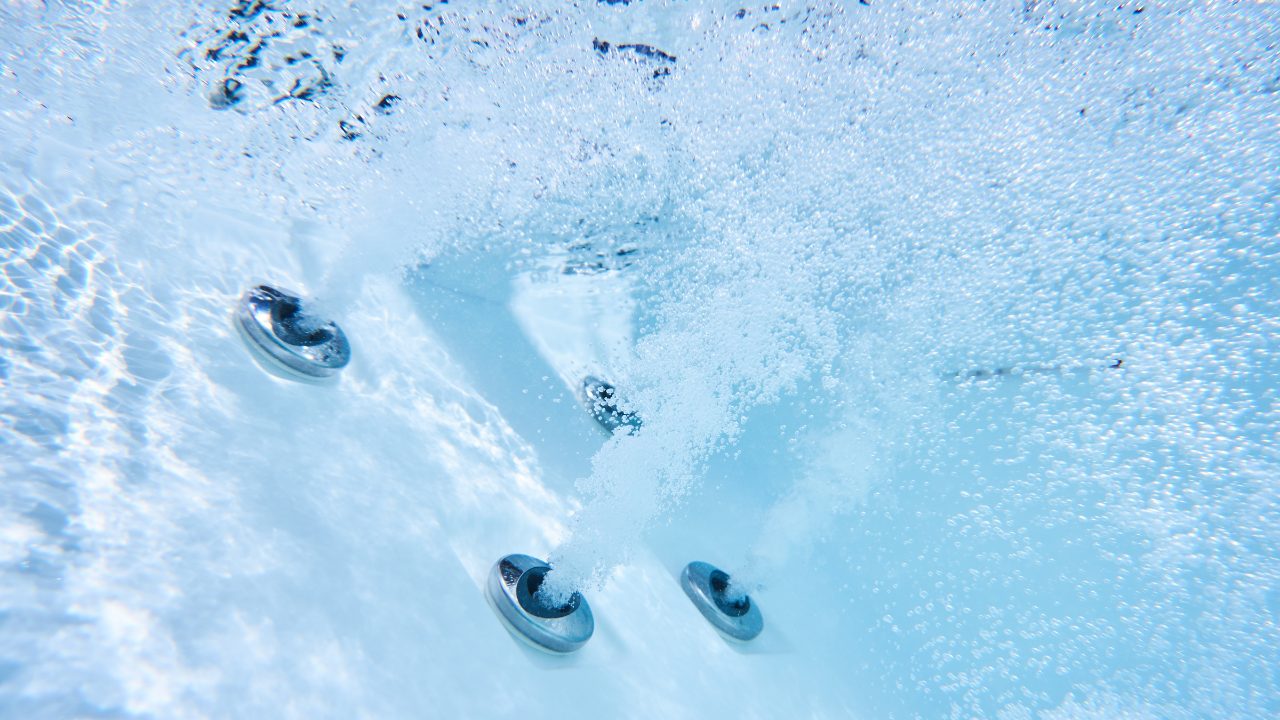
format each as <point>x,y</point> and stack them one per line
<point>951,326</point>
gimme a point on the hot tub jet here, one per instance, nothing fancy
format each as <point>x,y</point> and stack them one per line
<point>601,399</point>
<point>532,616</point>
<point>286,339</point>
<point>736,618</point>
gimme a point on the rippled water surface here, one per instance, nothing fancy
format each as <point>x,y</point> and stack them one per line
<point>952,327</point>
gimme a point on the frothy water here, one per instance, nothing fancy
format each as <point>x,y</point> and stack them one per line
<point>799,238</point>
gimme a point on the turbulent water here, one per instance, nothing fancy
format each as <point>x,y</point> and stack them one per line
<point>836,223</point>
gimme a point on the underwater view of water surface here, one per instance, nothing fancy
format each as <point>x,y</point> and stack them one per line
<point>640,359</point>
